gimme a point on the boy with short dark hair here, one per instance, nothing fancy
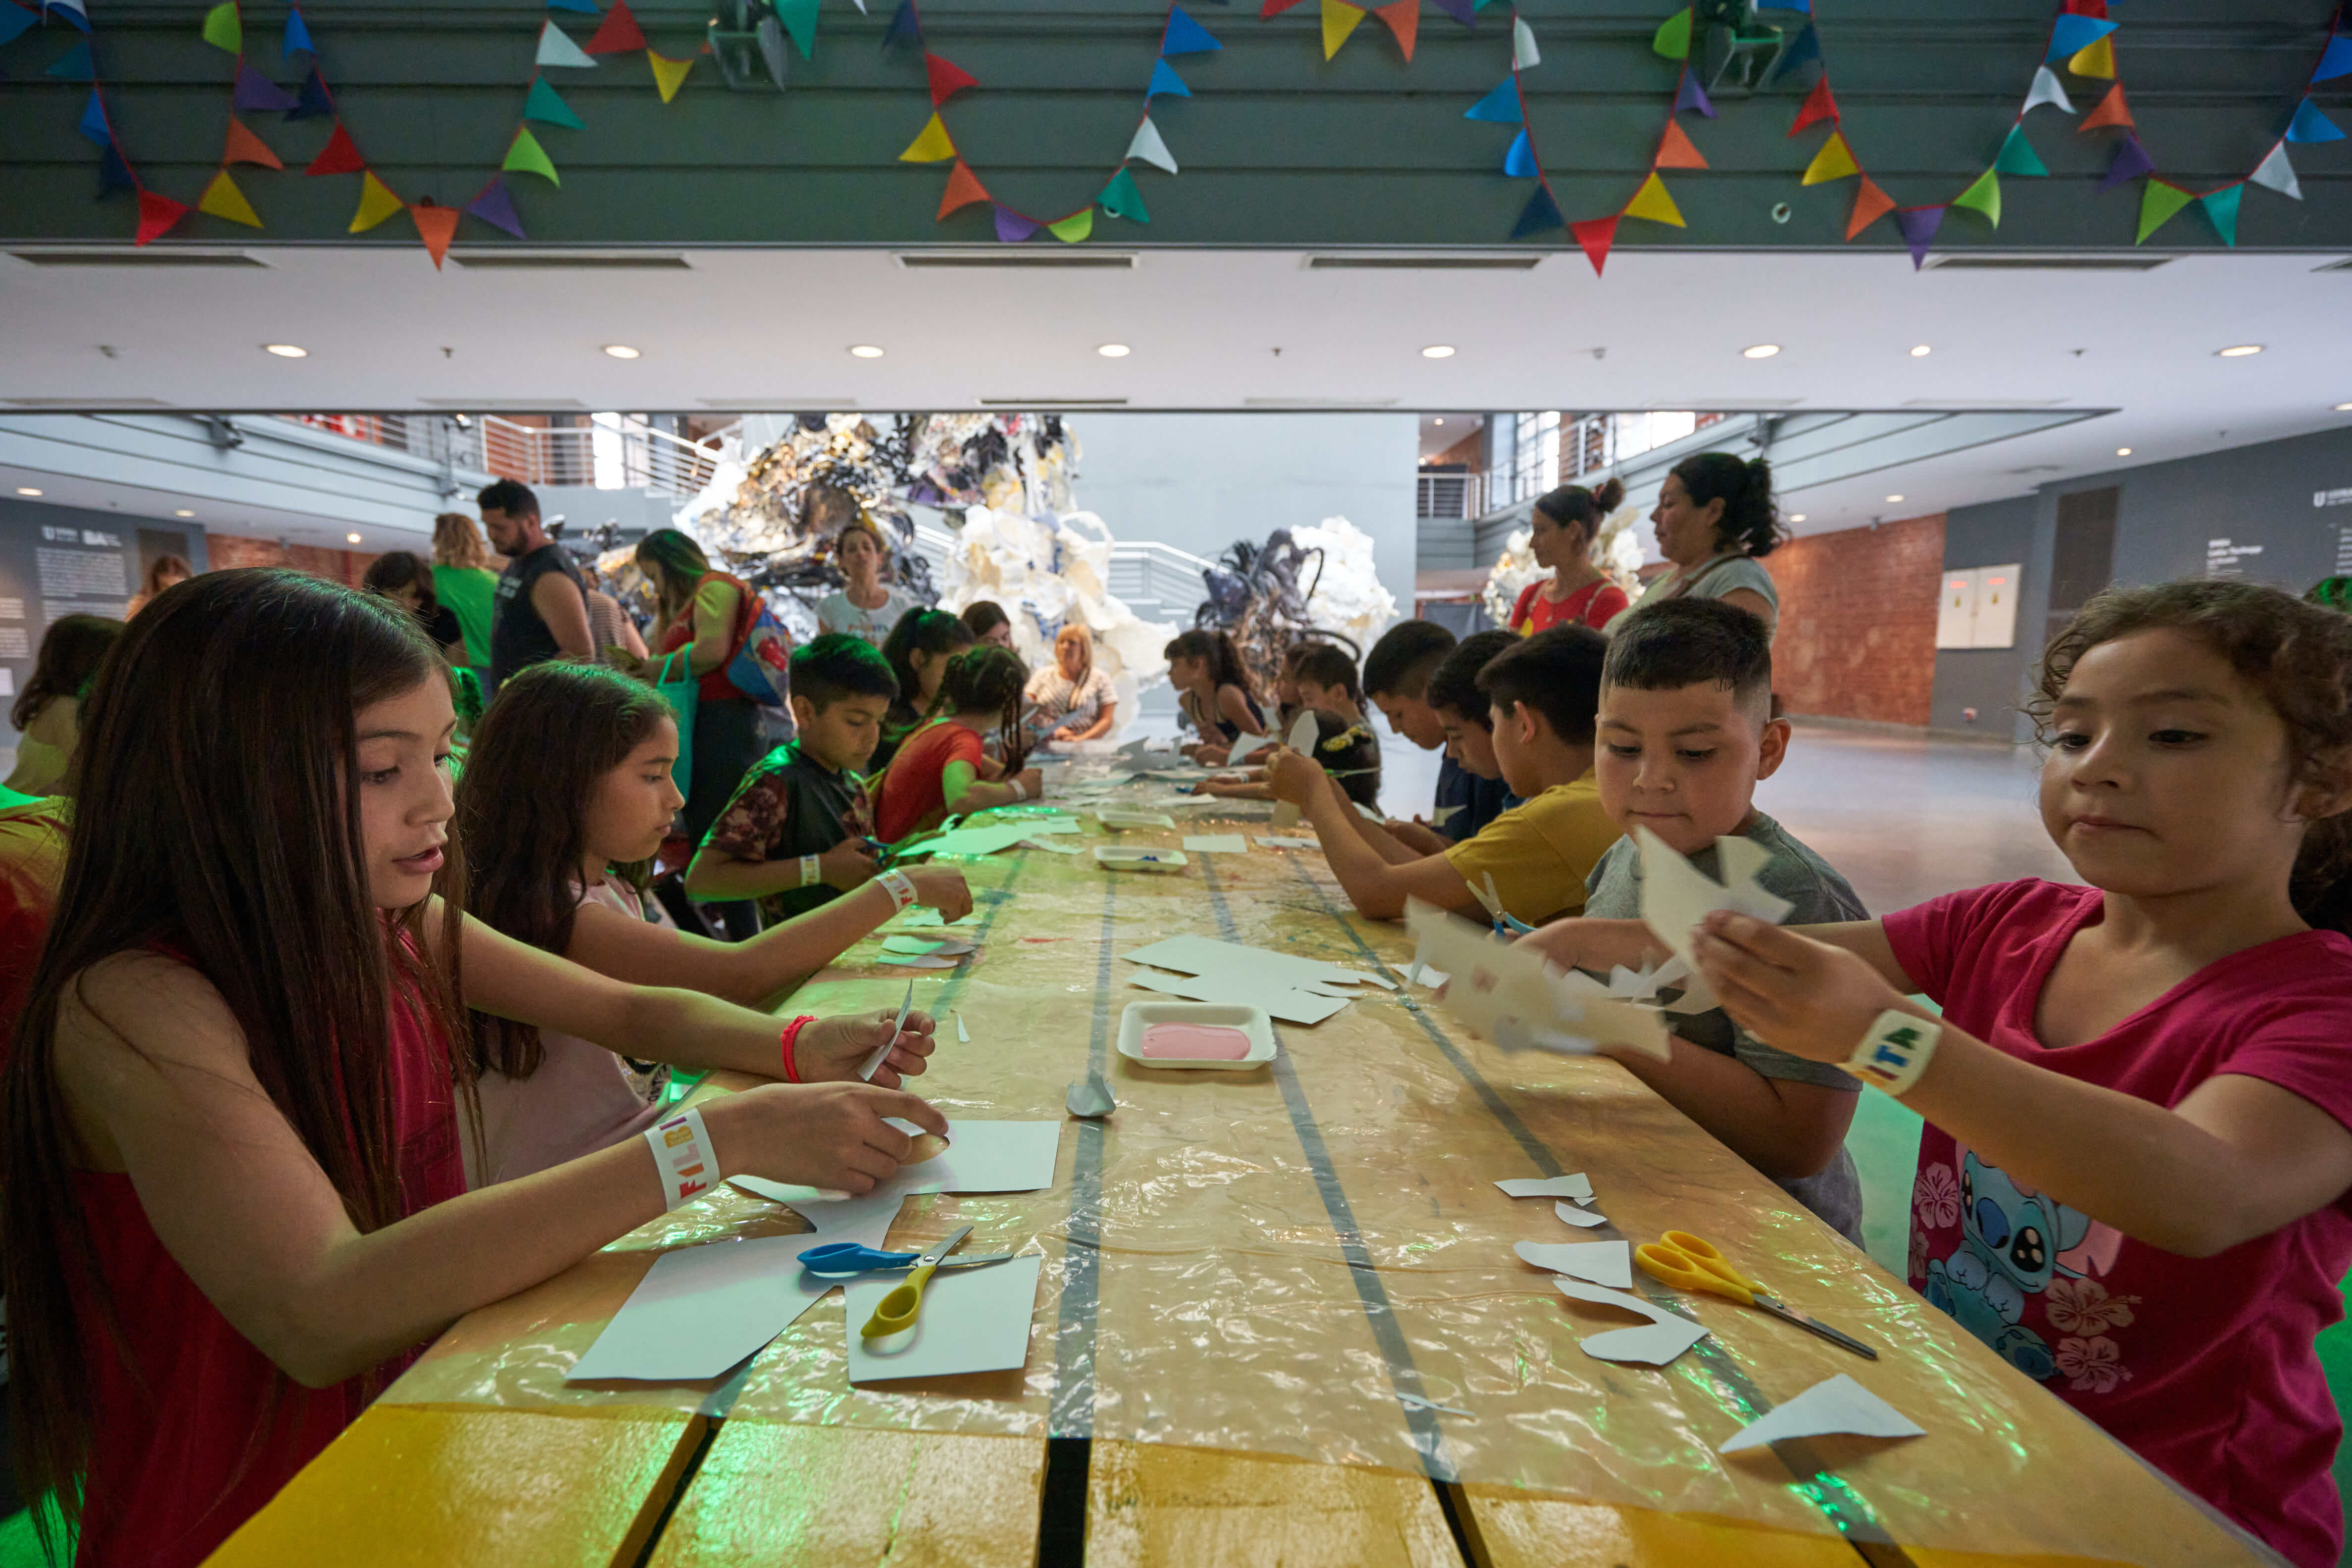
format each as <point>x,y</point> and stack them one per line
<point>1544,693</point>
<point>1463,711</point>
<point>795,836</point>
<point>1396,677</point>
<point>1686,733</point>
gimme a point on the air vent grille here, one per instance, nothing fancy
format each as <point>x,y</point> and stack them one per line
<point>1962,262</point>
<point>150,256</point>
<point>1053,402</point>
<point>568,261</point>
<point>1013,259</point>
<point>1500,263</point>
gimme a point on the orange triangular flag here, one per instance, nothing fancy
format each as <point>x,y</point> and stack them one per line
<point>437,226</point>
<point>963,189</point>
<point>223,199</point>
<point>245,147</point>
<point>1870,205</point>
<point>1675,151</point>
<point>1404,20</point>
<point>2112,111</point>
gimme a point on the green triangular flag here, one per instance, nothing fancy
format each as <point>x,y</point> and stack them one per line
<point>1674,36</point>
<point>544,105</point>
<point>1075,227</point>
<point>1984,196</point>
<point>2222,206</point>
<point>1121,199</point>
<point>529,156</point>
<point>2158,202</point>
<point>799,17</point>
<point>222,31</point>
<point>2018,156</point>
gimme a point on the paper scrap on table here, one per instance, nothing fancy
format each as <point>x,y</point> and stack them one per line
<point>1090,1098</point>
<point>962,1034</point>
<point>936,946</point>
<point>1598,1262</point>
<point>923,918</point>
<point>1512,996</point>
<point>1583,1219</point>
<point>914,961</point>
<point>1676,896</point>
<point>1292,1005</point>
<point>1054,844</point>
<point>1206,955</point>
<point>1417,1402</point>
<point>981,1157</point>
<point>1418,973</point>
<point>1839,1404</point>
<point>974,1320</point>
<point>1216,843</point>
<point>873,1063</point>
<point>701,1309</point>
<point>1665,1336</point>
<point>1577,1186</point>
<point>1279,841</point>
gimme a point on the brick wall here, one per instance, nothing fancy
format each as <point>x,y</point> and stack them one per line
<point>1857,635</point>
<point>344,566</point>
<point>1465,452</point>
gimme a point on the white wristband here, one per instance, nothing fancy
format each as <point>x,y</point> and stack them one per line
<point>901,891</point>
<point>683,1157</point>
<point>811,874</point>
<point>1019,790</point>
<point>1895,1051</point>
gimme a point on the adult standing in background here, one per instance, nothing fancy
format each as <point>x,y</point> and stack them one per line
<point>166,570</point>
<point>542,605</point>
<point>1565,523</point>
<point>867,608</point>
<point>466,580</point>
<point>1715,517</point>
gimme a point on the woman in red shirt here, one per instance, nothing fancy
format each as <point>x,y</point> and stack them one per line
<point>943,768</point>
<point>1580,594</point>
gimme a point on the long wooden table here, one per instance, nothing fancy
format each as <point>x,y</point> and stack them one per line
<point>1257,1286</point>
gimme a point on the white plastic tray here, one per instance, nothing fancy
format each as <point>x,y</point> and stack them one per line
<point>1119,817</point>
<point>1140,1016</point>
<point>1113,858</point>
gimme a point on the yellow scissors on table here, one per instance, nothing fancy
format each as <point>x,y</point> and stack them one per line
<point>1692,1263</point>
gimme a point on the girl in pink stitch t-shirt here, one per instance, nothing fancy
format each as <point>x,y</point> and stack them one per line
<point>2134,1181</point>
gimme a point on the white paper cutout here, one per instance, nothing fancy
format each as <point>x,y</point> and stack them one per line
<point>981,1157</point>
<point>914,961</point>
<point>1839,1405</point>
<point>1665,1336</point>
<point>1090,1098</point>
<point>962,1035</point>
<point>933,946</point>
<point>701,1309</point>
<point>1054,845</point>
<point>1415,1401</point>
<point>1279,841</point>
<point>1676,896</point>
<point>1418,973</point>
<point>1289,1003</point>
<point>1216,843</point>
<point>1577,1187</point>
<point>1596,1262</point>
<point>1513,997</point>
<point>873,1062</point>
<point>1583,1219</point>
<point>1206,955</point>
<point>975,1319</point>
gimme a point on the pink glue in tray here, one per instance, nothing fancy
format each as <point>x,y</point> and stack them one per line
<point>1230,1037</point>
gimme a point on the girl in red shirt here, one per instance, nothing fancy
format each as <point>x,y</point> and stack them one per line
<point>943,768</point>
<point>1561,532</point>
<point>2134,1181</point>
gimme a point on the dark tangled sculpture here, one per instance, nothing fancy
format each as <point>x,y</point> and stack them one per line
<point>1256,596</point>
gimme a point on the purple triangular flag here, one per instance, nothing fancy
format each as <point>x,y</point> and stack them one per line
<point>1918,225</point>
<point>495,206</point>
<point>1461,11</point>
<point>2131,161</point>
<point>256,92</point>
<point>1693,96</point>
<point>1011,228</point>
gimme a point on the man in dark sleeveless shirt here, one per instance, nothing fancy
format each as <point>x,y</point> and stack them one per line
<point>541,610</point>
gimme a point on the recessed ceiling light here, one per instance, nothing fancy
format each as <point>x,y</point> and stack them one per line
<point>286,351</point>
<point>1796,517</point>
<point>1922,351</point>
<point>2240,351</point>
<point>1113,351</point>
<point>352,536</point>
<point>864,351</point>
<point>1891,499</point>
<point>2123,451</point>
<point>2344,408</point>
<point>1438,351</point>
<point>1760,350</point>
<point>184,511</point>
<point>620,351</point>
<point>26,490</point>
<point>1441,421</point>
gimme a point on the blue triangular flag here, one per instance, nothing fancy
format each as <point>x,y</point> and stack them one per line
<point>113,173</point>
<point>495,206</point>
<point>93,121</point>
<point>1918,225</point>
<point>1806,51</point>
<point>2071,34</point>
<point>906,28</point>
<point>2309,125</point>
<point>1462,11</point>
<point>73,10</point>
<point>546,106</point>
<point>313,100</point>
<point>1690,95</point>
<point>14,19</point>
<point>586,8</point>
<point>75,64</point>
<point>1540,214</point>
<point>1164,80</point>
<point>298,36</point>
<point>2336,62</point>
<point>2131,161</point>
<point>1520,160</point>
<point>1184,36</point>
<point>1501,106</point>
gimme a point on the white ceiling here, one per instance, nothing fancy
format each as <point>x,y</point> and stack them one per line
<point>1236,330</point>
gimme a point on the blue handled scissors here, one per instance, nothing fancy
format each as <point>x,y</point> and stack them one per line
<point>840,1259</point>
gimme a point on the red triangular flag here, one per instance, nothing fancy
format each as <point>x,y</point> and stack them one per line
<point>947,80</point>
<point>342,155</point>
<point>157,214</point>
<point>1404,20</point>
<point>1274,8</point>
<point>1819,105</point>
<point>618,34</point>
<point>1870,205</point>
<point>1596,235</point>
<point>2112,111</point>
<point>245,147</point>
<point>437,226</point>
<point>1675,151</point>
<point>963,189</point>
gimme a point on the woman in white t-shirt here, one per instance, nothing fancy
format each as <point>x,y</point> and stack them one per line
<point>1070,699</point>
<point>865,608</point>
<point>1714,518</point>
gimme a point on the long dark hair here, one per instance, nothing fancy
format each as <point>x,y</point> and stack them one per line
<point>1226,668</point>
<point>522,807</point>
<point>71,650</point>
<point>2297,655</point>
<point>985,679</point>
<point>398,569</point>
<point>218,822</point>
<point>1573,506</point>
<point>682,565</point>
<point>1751,518</point>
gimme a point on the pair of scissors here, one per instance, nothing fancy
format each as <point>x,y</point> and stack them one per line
<point>1692,1263</point>
<point>897,1311</point>
<point>838,1259</point>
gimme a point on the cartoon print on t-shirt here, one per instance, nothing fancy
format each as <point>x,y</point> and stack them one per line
<point>2010,1243</point>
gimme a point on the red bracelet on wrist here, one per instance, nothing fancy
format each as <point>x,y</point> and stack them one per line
<point>792,1035</point>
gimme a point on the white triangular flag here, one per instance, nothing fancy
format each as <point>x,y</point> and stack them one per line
<point>2278,175</point>
<point>1839,1404</point>
<point>1148,147</point>
<point>1523,46</point>
<point>556,48</point>
<point>2046,89</point>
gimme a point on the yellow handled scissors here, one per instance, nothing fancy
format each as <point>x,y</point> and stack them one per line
<point>1688,1262</point>
<point>896,1311</point>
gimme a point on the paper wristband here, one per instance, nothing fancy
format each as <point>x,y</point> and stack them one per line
<point>1894,1051</point>
<point>901,891</point>
<point>791,1038</point>
<point>810,872</point>
<point>682,1158</point>
<point>1020,789</point>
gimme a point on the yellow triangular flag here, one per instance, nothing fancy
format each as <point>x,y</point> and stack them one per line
<point>1339,19</point>
<point>223,199</point>
<point>933,146</point>
<point>669,75</point>
<point>376,203</point>
<point>2096,58</point>
<point>1833,162</point>
<point>1075,227</point>
<point>1651,202</point>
